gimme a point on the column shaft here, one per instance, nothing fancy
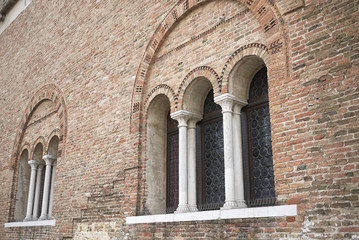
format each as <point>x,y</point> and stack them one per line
<point>52,190</point>
<point>192,193</point>
<point>238,158</point>
<point>30,198</point>
<point>182,170</point>
<point>45,198</point>
<point>35,211</point>
<point>227,102</point>
<point>228,155</point>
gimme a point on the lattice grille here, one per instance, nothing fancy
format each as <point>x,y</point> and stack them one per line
<point>172,165</point>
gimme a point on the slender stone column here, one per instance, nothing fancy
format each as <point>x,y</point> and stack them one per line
<point>238,157</point>
<point>192,193</point>
<point>35,211</point>
<point>45,198</point>
<point>226,101</point>
<point>52,190</point>
<point>30,198</point>
<point>182,117</point>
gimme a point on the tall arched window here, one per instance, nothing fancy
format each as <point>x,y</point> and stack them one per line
<point>210,160</point>
<point>22,186</point>
<point>172,165</point>
<point>260,188</point>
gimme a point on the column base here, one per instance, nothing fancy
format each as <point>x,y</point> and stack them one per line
<point>182,209</point>
<point>229,205</point>
<point>43,218</point>
<point>241,204</point>
<point>28,219</point>
<point>193,208</point>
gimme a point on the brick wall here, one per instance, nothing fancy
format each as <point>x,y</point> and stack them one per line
<point>95,56</point>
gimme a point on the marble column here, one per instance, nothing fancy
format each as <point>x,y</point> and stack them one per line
<point>227,101</point>
<point>45,199</point>
<point>35,211</point>
<point>30,198</point>
<point>182,117</point>
<point>238,157</point>
<point>192,185</point>
<point>52,190</point>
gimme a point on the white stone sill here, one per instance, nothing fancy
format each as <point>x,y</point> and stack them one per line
<point>257,212</point>
<point>31,223</point>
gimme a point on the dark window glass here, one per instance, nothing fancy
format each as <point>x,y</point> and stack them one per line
<point>260,161</point>
<point>172,165</point>
<point>211,183</point>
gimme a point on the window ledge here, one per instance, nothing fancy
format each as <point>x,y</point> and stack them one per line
<point>257,212</point>
<point>31,223</point>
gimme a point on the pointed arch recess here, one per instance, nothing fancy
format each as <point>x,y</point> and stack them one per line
<point>266,12</point>
<point>48,92</point>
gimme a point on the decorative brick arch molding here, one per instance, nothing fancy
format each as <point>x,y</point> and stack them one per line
<point>203,71</point>
<point>266,12</point>
<point>161,89</point>
<point>253,49</point>
<point>48,92</point>
<point>51,93</point>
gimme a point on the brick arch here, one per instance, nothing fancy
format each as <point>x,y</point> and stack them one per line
<point>252,49</point>
<point>51,135</point>
<point>265,11</point>
<point>203,71</point>
<point>48,92</point>
<point>161,89</point>
<point>25,146</point>
<point>40,140</point>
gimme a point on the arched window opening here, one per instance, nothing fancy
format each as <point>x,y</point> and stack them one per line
<point>22,186</point>
<point>172,165</point>
<point>156,155</point>
<point>259,175</point>
<point>36,186</point>
<point>210,158</point>
<point>51,162</point>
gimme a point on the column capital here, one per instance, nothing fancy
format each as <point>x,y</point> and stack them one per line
<point>49,159</point>
<point>227,101</point>
<point>33,163</point>
<point>182,116</point>
<point>237,109</point>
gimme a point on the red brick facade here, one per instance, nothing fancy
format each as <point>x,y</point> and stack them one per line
<point>88,72</point>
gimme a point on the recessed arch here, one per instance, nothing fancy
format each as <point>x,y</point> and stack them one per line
<point>22,186</point>
<point>241,67</point>
<point>38,151</point>
<point>203,72</point>
<point>48,93</point>
<point>195,94</point>
<point>53,145</point>
<point>158,90</point>
<point>157,114</point>
<point>266,13</point>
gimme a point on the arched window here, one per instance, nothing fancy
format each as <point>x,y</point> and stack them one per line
<point>41,184</point>
<point>210,161</point>
<point>22,186</point>
<point>172,165</point>
<point>260,189</point>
